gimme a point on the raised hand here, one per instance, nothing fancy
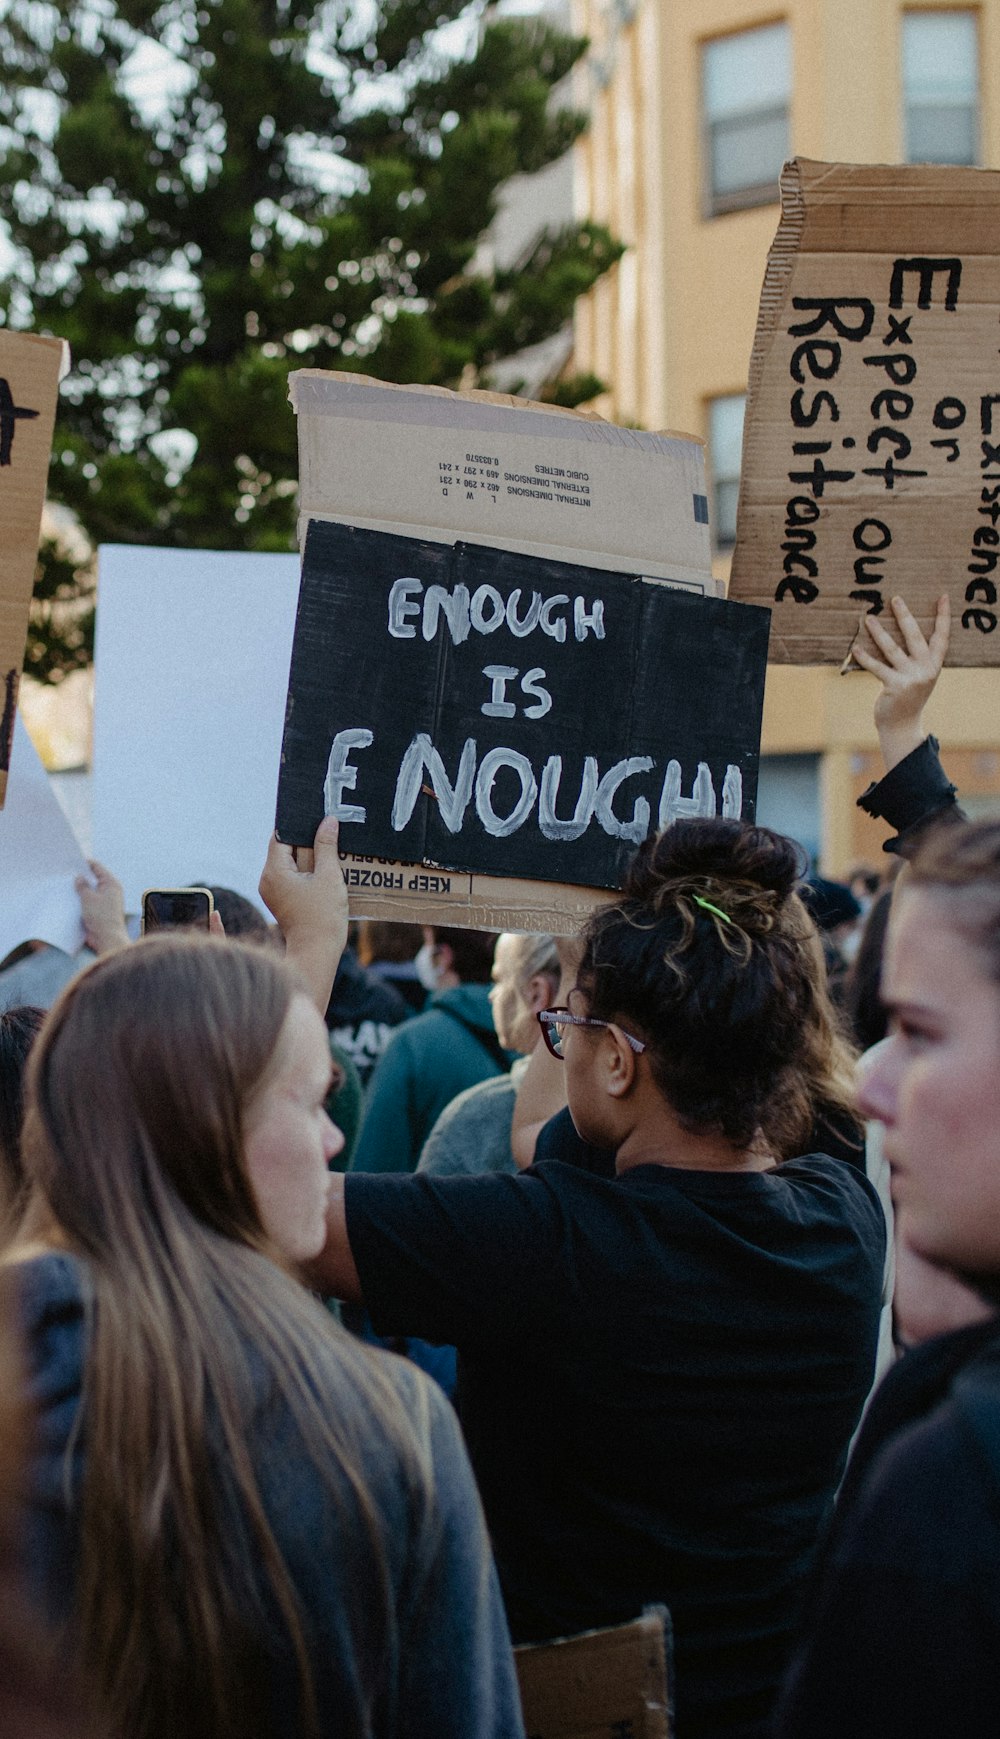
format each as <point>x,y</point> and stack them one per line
<point>305,892</point>
<point>102,908</point>
<point>906,672</point>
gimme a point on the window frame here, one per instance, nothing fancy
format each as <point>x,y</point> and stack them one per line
<point>720,546</point>
<point>905,104</point>
<point>760,194</point>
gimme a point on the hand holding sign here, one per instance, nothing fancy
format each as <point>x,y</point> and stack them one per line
<point>305,893</point>
<point>907,674</point>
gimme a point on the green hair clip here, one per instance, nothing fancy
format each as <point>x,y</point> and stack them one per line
<point>707,906</point>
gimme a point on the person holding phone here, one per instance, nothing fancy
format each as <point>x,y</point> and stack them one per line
<point>246,1524</point>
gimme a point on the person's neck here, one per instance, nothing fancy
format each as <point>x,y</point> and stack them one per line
<point>666,1143</point>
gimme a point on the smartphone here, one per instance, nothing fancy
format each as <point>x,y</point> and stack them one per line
<point>176,908</point>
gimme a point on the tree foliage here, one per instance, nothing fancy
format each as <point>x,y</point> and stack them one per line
<point>300,185</point>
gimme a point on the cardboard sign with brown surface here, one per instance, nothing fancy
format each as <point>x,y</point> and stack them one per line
<point>503,672</point>
<point>871,451</point>
<point>29,384</point>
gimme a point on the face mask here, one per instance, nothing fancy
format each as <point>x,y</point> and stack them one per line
<point>425,968</point>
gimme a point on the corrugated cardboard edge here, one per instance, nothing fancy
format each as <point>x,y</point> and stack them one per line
<point>475,395</point>
<point>781,259</point>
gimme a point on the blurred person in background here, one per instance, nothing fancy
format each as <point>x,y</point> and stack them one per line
<point>390,951</point>
<point>434,1056</point>
<point>473,1133</point>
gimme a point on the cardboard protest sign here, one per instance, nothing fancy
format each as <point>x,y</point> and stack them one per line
<point>871,455</point>
<point>29,384</point>
<point>473,709</point>
<point>482,479</point>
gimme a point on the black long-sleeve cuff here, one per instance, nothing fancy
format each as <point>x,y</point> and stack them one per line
<point>912,793</point>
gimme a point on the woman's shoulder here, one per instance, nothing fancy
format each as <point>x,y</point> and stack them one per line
<point>931,1495</point>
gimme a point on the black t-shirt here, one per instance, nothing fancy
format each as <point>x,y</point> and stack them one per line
<point>659,1374</point>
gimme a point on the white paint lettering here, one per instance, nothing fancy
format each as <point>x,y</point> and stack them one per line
<point>550,824</point>
<point>341,776</point>
<point>452,799</point>
<point>501,827</point>
<point>637,827</point>
<point>498,706</point>
<point>557,629</point>
<point>530,684</point>
<point>454,606</point>
<point>400,608</point>
<point>483,598</point>
<point>592,619</point>
<point>700,803</point>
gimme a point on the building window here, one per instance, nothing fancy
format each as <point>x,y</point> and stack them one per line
<point>746,86</point>
<point>725,446</point>
<point>940,87</point>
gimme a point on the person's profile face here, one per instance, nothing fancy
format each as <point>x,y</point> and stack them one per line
<point>289,1139</point>
<point>935,1084</point>
<point>516,1027</point>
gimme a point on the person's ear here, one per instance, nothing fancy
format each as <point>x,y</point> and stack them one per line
<point>538,992</point>
<point>621,1063</point>
<point>444,966</point>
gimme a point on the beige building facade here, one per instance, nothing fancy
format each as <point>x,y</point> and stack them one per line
<point>694,105</point>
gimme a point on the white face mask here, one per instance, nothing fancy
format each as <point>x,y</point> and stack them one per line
<point>425,968</point>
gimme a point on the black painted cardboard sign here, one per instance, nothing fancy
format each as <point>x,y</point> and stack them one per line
<point>471,708</point>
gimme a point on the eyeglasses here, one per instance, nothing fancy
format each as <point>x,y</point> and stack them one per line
<point>552,1021</point>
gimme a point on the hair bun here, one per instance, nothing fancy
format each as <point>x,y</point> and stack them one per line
<point>719,851</point>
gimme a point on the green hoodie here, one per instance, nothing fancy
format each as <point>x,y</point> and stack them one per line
<point>426,1062</point>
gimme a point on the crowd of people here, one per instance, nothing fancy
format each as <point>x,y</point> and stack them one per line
<point>373,1303</point>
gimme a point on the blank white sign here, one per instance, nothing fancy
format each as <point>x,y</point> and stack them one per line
<point>192,657</point>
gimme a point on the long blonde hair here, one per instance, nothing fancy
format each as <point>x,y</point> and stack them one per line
<point>134,1137</point>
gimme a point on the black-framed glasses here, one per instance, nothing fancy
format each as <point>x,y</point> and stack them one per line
<point>553,1020</point>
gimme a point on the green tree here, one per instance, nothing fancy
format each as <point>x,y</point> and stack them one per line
<point>302,184</point>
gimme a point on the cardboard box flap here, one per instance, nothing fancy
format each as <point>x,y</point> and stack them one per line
<point>500,469</point>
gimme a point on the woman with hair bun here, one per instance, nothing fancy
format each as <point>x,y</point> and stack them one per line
<point>660,1369</point>
<point>244,1523</point>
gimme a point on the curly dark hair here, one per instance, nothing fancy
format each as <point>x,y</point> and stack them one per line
<point>710,954</point>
